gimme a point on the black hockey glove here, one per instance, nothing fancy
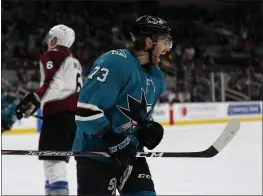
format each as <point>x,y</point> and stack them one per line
<point>28,106</point>
<point>150,134</point>
<point>123,151</point>
<point>120,147</point>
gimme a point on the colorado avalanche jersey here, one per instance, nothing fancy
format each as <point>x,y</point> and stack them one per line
<point>118,92</point>
<point>60,82</point>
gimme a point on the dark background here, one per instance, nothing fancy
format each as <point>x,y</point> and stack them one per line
<point>209,36</point>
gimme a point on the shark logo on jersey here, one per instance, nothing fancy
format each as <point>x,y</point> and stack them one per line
<point>137,111</point>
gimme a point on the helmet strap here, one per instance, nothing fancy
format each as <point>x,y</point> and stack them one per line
<point>150,53</point>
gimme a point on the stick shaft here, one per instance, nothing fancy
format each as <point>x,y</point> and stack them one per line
<point>227,135</point>
<point>201,154</point>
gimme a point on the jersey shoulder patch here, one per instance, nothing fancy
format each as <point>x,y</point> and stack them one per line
<point>119,52</point>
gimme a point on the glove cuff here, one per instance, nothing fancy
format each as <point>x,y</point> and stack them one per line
<point>35,99</point>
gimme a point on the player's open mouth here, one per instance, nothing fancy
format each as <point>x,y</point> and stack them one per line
<point>164,52</point>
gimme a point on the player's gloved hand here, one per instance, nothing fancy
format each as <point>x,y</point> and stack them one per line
<point>150,134</point>
<point>28,105</point>
<point>120,147</point>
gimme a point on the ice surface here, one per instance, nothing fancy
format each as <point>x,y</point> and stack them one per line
<point>235,170</point>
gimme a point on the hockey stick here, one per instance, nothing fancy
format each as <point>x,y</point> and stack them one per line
<point>227,135</point>
<point>36,116</point>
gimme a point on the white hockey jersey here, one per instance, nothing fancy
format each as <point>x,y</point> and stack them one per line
<point>60,82</point>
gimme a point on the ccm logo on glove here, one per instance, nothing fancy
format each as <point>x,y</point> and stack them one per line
<point>144,176</point>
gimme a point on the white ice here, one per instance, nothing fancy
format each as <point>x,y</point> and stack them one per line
<point>235,170</point>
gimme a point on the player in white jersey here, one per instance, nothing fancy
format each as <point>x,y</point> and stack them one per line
<point>58,95</point>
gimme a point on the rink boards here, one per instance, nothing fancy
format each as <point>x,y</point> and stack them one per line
<point>207,113</point>
<point>178,114</point>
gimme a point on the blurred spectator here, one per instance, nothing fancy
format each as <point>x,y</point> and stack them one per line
<point>206,40</point>
<point>8,105</point>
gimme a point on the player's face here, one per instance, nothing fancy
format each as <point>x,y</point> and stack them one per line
<point>51,41</point>
<point>164,43</point>
<point>162,46</point>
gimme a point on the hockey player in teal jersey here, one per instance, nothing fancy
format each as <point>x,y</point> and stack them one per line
<point>113,114</point>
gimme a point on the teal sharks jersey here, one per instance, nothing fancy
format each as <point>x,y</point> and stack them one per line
<point>118,92</point>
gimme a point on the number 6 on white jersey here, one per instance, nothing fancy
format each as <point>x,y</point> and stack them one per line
<point>49,65</point>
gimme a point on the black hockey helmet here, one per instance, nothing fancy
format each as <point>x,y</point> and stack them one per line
<point>149,26</point>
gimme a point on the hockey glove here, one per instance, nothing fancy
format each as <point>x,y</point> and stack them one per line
<point>28,106</point>
<point>150,134</point>
<point>123,151</point>
<point>120,147</point>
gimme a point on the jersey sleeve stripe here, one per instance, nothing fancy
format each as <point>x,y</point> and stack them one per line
<point>88,106</point>
<point>83,112</point>
<point>90,118</point>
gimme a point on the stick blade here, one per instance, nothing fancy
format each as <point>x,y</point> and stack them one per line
<point>227,135</point>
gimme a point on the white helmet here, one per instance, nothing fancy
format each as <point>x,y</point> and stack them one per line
<point>64,34</point>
